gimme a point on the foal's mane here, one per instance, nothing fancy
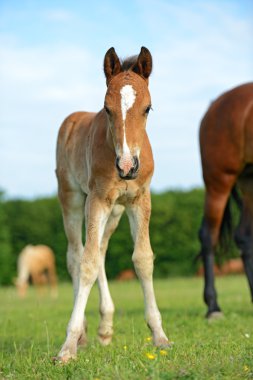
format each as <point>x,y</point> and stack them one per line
<point>127,63</point>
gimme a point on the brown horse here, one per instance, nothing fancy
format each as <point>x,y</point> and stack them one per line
<point>38,263</point>
<point>226,145</point>
<point>105,165</point>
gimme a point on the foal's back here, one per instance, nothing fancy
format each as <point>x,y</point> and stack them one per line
<point>74,129</point>
<point>72,145</point>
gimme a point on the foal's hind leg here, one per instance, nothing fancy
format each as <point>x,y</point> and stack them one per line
<point>72,203</point>
<point>139,215</point>
<point>244,233</point>
<point>215,203</point>
<point>106,308</point>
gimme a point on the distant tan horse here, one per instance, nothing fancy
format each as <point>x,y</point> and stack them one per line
<point>38,263</point>
<point>104,166</point>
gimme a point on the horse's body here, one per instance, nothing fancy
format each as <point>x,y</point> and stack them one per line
<point>126,275</point>
<point>105,165</point>
<point>226,144</point>
<point>38,263</point>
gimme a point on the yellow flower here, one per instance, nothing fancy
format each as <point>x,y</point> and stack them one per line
<point>246,368</point>
<point>148,339</point>
<point>163,352</point>
<point>150,356</point>
<point>125,348</point>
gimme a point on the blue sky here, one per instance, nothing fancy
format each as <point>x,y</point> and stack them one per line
<point>51,65</point>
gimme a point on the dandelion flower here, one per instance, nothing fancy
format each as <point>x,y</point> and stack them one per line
<point>125,348</point>
<point>150,356</point>
<point>149,338</point>
<point>163,352</point>
<point>246,368</point>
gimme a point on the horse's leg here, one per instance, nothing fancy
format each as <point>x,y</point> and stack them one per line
<point>244,235</point>
<point>38,281</point>
<point>72,203</point>
<point>215,203</point>
<point>97,214</point>
<point>207,253</point>
<point>105,330</point>
<point>106,307</point>
<point>139,216</point>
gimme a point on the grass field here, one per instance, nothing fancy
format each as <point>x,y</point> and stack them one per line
<point>32,331</point>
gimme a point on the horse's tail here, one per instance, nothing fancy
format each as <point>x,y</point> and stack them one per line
<point>228,221</point>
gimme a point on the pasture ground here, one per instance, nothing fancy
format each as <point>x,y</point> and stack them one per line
<point>32,331</point>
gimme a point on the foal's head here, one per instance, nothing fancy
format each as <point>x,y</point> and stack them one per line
<point>127,104</point>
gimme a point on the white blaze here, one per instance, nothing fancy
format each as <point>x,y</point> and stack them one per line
<point>128,95</point>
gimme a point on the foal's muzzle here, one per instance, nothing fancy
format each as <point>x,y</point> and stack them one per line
<point>133,172</point>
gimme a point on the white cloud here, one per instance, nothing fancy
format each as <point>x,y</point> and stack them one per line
<point>58,15</point>
<point>39,88</point>
<point>190,71</point>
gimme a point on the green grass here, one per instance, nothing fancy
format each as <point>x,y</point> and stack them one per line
<point>32,331</point>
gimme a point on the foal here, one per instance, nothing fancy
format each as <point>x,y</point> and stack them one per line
<point>104,166</point>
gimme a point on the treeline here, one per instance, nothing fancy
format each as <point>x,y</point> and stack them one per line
<point>176,218</point>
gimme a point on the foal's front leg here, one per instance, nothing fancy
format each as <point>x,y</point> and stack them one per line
<point>139,216</point>
<point>97,214</point>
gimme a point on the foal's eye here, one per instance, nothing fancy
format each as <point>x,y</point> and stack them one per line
<point>148,109</point>
<point>107,110</point>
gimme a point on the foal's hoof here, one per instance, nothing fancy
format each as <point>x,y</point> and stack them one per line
<point>63,359</point>
<point>214,315</point>
<point>82,341</point>
<point>105,340</point>
<point>163,342</point>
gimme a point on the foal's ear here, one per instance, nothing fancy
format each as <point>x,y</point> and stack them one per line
<point>143,65</point>
<point>112,65</point>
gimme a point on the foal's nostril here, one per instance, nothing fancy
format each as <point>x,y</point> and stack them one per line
<point>135,164</point>
<point>117,163</point>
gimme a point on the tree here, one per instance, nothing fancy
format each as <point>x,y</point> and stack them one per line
<point>6,257</point>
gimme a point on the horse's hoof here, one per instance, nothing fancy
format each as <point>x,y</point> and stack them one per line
<point>64,357</point>
<point>163,343</point>
<point>82,341</point>
<point>105,339</point>
<point>214,315</point>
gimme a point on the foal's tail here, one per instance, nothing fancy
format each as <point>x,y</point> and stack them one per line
<point>228,221</point>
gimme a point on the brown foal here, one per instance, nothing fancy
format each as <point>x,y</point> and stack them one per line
<point>104,166</point>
